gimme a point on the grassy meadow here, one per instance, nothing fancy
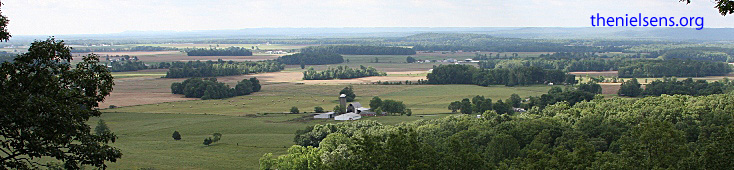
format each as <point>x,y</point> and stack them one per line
<point>144,131</point>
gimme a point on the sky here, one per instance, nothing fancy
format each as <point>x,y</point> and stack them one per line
<point>61,17</point>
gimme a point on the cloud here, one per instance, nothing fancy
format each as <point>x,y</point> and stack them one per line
<point>54,17</point>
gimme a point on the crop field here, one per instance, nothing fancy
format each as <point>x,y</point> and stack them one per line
<point>248,46</point>
<point>279,98</point>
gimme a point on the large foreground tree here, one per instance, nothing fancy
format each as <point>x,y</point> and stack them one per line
<point>45,106</point>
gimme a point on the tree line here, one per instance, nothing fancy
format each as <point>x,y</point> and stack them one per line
<point>341,72</point>
<point>127,65</point>
<point>220,68</point>
<point>677,132</point>
<point>229,51</point>
<point>671,86</point>
<point>467,74</point>
<point>209,88</point>
<point>670,68</point>
<point>392,107</point>
<point>359,50</point>
<point>312,58</point>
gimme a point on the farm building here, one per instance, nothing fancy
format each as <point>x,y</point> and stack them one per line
<point>327,115</point>
<point>348,116</point>
<point>357,108</point>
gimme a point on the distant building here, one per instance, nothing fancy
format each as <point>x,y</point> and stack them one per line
<point>327,115</point>
<point>348,116</point>
<point>518,109</point>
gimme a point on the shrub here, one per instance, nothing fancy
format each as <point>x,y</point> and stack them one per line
<point>176,135</point>
<point>294,110</point>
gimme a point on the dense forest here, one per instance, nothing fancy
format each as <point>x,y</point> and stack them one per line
<point>667,132</point>
<point>670,68</point>
<point>341,72</point>
<point>700,53</point>
<point>467,74</point>
<point>209,88</point>
<point>220,68</point>
<point>229,51</point>
<point>312,58</point>
<point>359,50</point>
<point>672,86</point>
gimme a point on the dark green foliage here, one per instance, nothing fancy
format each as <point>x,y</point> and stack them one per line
<point>255,84</point>
<point>349,92</point>
<point>465,106</point>
<point>672,86</point>
<point>208,141</point>
<point>176,135</point>
<point>209,88</point>
<point>220,68</point>
<point>45,107</point>
<point>514,100</point>
<point>669,68</point>
<point>410,59</point>
<point>229,51</point>
<point>341,72</point>
<point>571,96</point>
<point>338,109</point>
<point>101,129</point>
<point>375,103</point>
<point>294,110</point>
<point>618,133</point>
<point>467,74</point>
<point>215,138</point>
<point>630,88</point>
<point>312,58</point>
<point>127,65</point>
<point>454,106</point>
<point>359,50</point>
<point>699,53</point>
<point>590,87</point>
<point>318,109</point>
<point>393,107</point>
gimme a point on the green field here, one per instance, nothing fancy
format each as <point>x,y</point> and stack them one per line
<point>145,138</point>
<point>145,131</point>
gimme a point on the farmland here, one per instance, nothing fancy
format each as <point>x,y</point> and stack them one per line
<point>144,130</point>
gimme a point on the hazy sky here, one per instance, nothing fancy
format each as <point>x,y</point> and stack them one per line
<point>55,17</point>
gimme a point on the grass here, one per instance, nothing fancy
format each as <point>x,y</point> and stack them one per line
<point>144,131</point>
<point>145,139</point>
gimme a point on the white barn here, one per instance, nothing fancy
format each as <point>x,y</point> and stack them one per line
<point>348,116</point>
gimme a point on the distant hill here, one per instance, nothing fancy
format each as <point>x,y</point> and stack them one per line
<point>414,33</point>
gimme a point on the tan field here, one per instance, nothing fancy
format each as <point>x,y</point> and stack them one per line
<point>145,88</point>
<point>169,56</point>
